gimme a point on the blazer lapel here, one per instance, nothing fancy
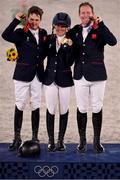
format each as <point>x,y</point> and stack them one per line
<point>52,44</point>
<point>40,36</point>
<point>31,37</point>
<point>89,34</point>
<point>79,36</point>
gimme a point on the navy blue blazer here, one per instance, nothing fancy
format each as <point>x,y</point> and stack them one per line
<point>89,55</point>
<point>59,64</point>
<point>30,54</point>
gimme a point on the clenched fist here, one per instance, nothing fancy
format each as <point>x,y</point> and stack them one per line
<point>20,15</point>
<point>67,41</point>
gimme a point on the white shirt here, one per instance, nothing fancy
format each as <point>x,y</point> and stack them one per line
<point>35,34</point>
<point>85,32</point>
<point>58,41</point>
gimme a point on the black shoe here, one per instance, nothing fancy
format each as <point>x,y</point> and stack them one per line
<point>82,147</point>
<point>15,145</point>
<point>98,148</point>
<point>18,118</point>
<point>60,146</point>
<point>51,147</point>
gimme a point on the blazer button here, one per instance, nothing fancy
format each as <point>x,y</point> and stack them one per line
<point>83,44</point>
<point>56,55</point>
<point>83,62</point>
<point>55,62</point>
<point>54,70</point>
<point>37,56</point>
<point>83,53</point>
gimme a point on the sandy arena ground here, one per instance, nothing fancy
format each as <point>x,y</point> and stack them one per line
<point>109,11</point>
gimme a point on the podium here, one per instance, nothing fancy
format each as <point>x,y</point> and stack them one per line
<point>69,164</point>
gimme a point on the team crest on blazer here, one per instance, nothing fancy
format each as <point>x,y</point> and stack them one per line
<point>94,36</point>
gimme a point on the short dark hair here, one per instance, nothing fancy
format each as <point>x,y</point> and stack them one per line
<point>86,4</point>
<point>35,10</point>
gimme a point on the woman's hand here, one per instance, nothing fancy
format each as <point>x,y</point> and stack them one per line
<point>67,41</point>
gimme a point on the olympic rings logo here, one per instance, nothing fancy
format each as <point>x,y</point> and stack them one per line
<point>46,171</point>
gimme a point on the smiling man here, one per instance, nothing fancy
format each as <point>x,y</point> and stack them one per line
<point>90,74</point>
<point>29,70</point>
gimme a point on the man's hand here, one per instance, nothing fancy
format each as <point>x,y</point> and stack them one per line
<point>96,19</point>
<point>20,16</point>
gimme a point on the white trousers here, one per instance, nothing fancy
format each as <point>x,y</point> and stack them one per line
<point>89,92</point>
<point>55,94</point>
<point>25,91</point>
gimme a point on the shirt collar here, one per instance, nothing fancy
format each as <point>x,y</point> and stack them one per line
<point>60,37</point>
<point>88,28</point>
<point>34,31</point>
